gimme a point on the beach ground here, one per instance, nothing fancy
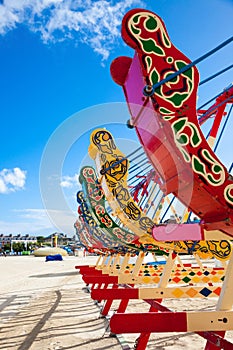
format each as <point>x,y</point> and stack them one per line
<point>45,306</point>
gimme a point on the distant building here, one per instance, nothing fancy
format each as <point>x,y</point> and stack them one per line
<point>8,239</point>
<point>62,239</point>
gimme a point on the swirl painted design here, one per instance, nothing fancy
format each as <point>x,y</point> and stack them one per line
<point>117,194</point>
<point>166,122</point>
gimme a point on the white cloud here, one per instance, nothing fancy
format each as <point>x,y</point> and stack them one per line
<point>12,180</point>
<point>37,222</point>
<point>94,22</point>
<point>70,181</point>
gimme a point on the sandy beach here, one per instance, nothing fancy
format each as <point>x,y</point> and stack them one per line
<point>44,306</point>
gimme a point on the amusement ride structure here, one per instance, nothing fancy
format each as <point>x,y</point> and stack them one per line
<point>125,203</point>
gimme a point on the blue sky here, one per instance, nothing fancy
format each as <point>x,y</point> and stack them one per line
<point>55,86</point>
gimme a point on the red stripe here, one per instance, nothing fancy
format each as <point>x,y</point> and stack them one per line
<point>148,322</point>
<point>114,293</point>
<point>100,279</point>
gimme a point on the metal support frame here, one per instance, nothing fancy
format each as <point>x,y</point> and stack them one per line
<point>209,325</point>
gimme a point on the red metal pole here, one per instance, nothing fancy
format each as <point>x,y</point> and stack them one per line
<point>142,340</point>
<point>211,346</point>
<point>216,124</point>
<point>108,303</point>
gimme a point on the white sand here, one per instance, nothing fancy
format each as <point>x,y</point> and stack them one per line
<point>43,306</point>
